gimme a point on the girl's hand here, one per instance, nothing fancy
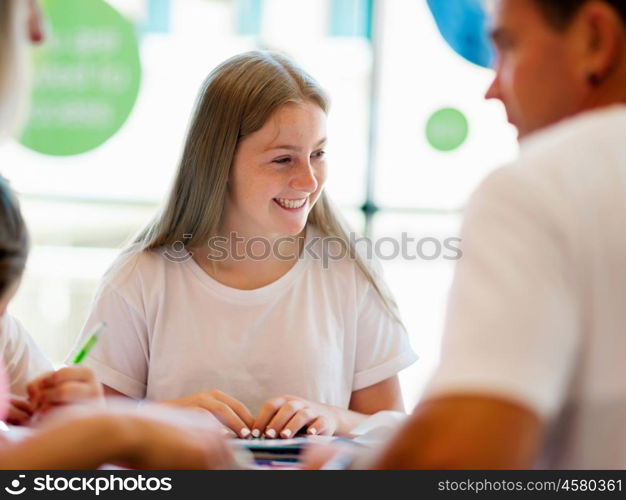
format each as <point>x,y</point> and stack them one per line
<point>229,411</point>
<point>20,412</point>
<point>284,416</point>
<point>72,384</point>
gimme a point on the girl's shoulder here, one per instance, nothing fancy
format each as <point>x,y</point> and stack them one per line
<point>135,267</point>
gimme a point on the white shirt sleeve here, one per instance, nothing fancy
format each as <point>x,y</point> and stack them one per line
<point>120,358</point>
<point>383,347</point>
<point>22,358</point>
<point>512,327</point>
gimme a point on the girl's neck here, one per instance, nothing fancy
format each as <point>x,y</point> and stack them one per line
<point>248,262</point>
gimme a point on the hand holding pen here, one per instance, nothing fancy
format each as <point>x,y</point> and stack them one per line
<point>69,385</point>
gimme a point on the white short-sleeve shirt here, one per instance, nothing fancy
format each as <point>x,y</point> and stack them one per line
<point>23,361</point>
<point>318,333</point>
<point>537,311</point>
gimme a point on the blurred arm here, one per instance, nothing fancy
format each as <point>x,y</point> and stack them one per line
<point>465,432</point>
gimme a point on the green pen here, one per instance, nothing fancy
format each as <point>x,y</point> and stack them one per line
<point>89,343</point>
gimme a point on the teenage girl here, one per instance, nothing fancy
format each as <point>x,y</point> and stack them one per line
<point>245,296</point>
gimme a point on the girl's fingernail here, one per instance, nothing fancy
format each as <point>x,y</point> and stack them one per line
<point>286,433</point>
<point>256,433</point>
<point>270,433</point>
<point>312,431</point>
<point>245,432</point>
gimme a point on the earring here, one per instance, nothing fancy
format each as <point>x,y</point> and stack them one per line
<point>594,79</point>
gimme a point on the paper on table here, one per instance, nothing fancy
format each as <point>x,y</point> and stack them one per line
<point>378,428</point>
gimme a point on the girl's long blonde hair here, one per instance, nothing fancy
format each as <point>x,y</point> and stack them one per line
<point>13,63</point>
<point>236,100</point>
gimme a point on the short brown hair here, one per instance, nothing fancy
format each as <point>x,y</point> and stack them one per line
<point>559,13</point>
<point>14,240</point>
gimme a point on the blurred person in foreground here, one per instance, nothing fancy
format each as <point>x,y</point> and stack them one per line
<point>534,356</point>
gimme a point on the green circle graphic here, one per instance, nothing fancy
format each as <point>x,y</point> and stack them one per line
<point>86,78</point>
<point>447,129</point>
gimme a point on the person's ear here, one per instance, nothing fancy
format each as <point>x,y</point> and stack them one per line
<point>602,36</point>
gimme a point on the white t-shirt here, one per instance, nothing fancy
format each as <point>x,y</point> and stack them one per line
<point>537,311</point>
<point>23,361</point>
<point>173,330</point>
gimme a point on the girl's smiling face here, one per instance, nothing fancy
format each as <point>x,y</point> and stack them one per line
<point>278,173</point>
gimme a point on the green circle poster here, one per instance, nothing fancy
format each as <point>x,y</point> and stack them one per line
<point>447,129</point>
<point>86,77</point>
